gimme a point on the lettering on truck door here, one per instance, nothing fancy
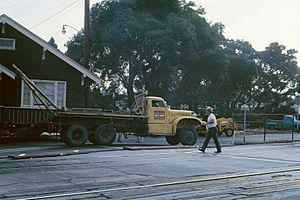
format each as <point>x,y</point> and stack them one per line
<point>158,114</point>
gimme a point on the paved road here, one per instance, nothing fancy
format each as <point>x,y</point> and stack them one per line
<point>265,171</point>
<point>52,144</point>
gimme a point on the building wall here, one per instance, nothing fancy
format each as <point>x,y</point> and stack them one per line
<point>11,92</point>
<point>1,85</point>
<point>28,57</point>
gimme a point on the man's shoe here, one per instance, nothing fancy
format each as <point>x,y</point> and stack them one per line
<point>218,151</point>
<point>202,150</point>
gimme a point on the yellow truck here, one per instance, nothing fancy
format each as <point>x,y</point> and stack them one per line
<point>76,126</point>
<point>149,116</point>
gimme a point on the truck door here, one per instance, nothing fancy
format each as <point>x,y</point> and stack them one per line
<point>1,86</point>
<point>287,122</point>
<point>157,117</point>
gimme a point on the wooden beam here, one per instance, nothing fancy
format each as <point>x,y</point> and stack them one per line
<point>44,53</point>
<point>3,28</point>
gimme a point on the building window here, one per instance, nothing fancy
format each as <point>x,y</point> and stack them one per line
<point>54,90</point>
<point>7,44</point>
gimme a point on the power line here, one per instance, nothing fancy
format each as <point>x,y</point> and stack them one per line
<point>53,15</point>
<point>17,5</point>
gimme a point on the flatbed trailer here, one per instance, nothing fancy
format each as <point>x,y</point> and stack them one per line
<point>122,123</point>
<point>76,127</point>
<point>16,119</point>
<point>149,116</point>
<point>20,121</point>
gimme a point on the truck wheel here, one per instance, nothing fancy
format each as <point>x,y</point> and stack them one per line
<point>188,136</point>
<point>105,135</point>
<point>229,132</point>
<point>77,135</point>
<point>173,140</point>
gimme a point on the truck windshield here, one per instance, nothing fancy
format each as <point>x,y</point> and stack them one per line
<point>158,104</point>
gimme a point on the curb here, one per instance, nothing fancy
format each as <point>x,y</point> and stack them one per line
<point>24,156</point>
<point>133,148</point>
<point>158,148</point>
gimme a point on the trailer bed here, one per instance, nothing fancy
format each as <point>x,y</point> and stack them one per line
<point>122,122</point>
<point>14,119</point>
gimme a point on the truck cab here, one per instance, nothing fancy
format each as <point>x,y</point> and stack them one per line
<point>177,125</point>
<point>288,122</point>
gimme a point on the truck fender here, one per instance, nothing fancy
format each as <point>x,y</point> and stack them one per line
<point>186,118</point>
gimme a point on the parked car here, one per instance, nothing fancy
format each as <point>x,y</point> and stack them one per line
<point>288,122</point>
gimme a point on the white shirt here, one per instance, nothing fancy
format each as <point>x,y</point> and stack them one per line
<point>212,117</point>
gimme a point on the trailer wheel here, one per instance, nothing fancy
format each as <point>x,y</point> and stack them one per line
<point>173,140</point>
<point>77,135</point>
<point>229,132</point>
<point>105,135</point>
<point>188,136</point>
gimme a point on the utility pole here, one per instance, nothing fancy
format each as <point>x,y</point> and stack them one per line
<point>86,53</point>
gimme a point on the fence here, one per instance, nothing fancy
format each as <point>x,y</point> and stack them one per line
<point>253,128</point>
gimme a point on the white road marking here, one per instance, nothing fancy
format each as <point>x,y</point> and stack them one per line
<point>263,159</point>
<point>199,153</point>
<point>247,158</point>
<point>25,149</point>
<point>216,178</point>
<point>137,154</point>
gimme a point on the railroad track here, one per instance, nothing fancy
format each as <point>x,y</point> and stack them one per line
<point>240,191</point>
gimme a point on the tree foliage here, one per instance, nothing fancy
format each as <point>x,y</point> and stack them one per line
<point>278,78</point>
<point>52,42</point>
<point>168,48</point>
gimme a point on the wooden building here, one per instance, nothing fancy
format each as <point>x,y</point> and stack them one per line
<point>58,76</point>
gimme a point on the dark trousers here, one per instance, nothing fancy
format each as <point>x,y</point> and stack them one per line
<point>212,133</point>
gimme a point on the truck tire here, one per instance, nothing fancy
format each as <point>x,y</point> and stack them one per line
<point>173,140</point>
<point>229,132</point>
<point>76,135</point>
<point>105,135</point>
<point>188,136</point>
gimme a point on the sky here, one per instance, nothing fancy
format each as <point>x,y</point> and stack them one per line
<point>258,21</point>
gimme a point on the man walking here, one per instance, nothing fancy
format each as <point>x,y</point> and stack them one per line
<point>212,131</point>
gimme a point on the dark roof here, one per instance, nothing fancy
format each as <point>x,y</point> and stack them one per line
<point>4,19</point>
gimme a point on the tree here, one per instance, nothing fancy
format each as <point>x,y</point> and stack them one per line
<point>52,42</point>
<point>159,46</point>
<point>278,77</point>
<point>268,78</point>
<point>168,48</point>
<point>242,72</point>
<point>75,47</point>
